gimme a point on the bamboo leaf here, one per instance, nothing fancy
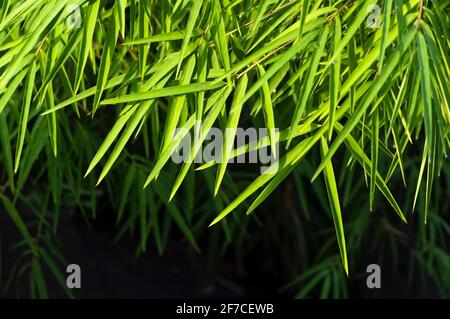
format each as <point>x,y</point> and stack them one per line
<point>231,127</point>
<point>193,16</point>
<point>370,96</point>
<point>24,115</point>
<point>335,206</point>
<point>18,221</point>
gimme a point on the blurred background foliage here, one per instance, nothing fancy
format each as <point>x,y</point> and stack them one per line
<point>351,102</point>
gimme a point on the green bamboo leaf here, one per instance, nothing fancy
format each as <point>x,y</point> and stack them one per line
<point>4,9</point>
<point>335,206</point>
<point>18,221</point>
<point>202,70</point>
<point>326,288</point>
<point>6,149</point>
<point>370,96</point>
<point>231,127</point>
<point>353,28</point>
<point>220,39</point>
<point>282,59</point>
<point>177,106</point>
<point>364,161</point>
<point>133,123</point>
<point>85,94</point>
<point>177,216</point>
<point>374,154</point>
<point>52,120</point>
<point>425,84</point>
<point>387,10</point>
<point>400,18</point>
<point>142,207</point>
<point>264,142</point>
<point>109,140</point>
<point>159,70</point>
<point>309,82</point>
<point>311,284</point>
<point>163,37</point>
<point>38,139</point>
<point>304,13</point>
<point>46,20</point>
<point>59,276</point>
<point>289,14</point>
<point>138,112</point>
<point>128,181</point>
<point>137,116</point>
<point>86,43</point>
<point>270,47</point>
<point>143,50</point>
<point>24,115</point>
<point>164,92</point>
<point>11,89</point>
<point>193,16</point>
<point>271,186</point>
<point>268,112</point>
<point>121,7</point>
<point>293,156</point>
<point>38,277</point>
<point>65,54</point>
<point>335,76</point>
<point>165,155</point>
<point>217,107</point>
<point>262,8</point>
<point>105,63</point>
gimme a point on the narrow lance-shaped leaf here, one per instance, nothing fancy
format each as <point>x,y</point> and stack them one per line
<point>67,51</point>
<point>18,221</point>
<point>200,136</point>
<point>364,161</point>
<point>138,115</point>
<point>353,28</point>
<point>387,10</point>
<point>220,39</point>
<point>165,155</point>
<point>194,12</point>
<point>335,206</point>
<point>374,154</point>
<point>309,82</point>
<point>45,20</point>
<point>177,105</point>
<point>335,75</point>
<point>230,131</point>
<point>164,92</point>
<point>24,114</point>
<point>6,149</point>
<point>303,14</point>
<point>86,43</point>
<point>4,9</point>
<point>268,113</point>
<point>122,4</point>
<point>112,135</point>
<point>38,277</point>
<point>143,33</point>
<point>105,63</point>
<point>11,89</point>
<point>163,37</point>
<point>369,98</point>
<point>295,154</point>
<point>425,85</point>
